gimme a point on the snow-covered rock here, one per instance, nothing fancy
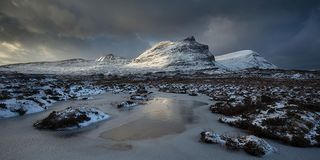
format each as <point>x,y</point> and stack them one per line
<point>185,54</point>
<point>250,144</point>
<point>256,146</point>
<point>243,60</point>
<point>212,137</point>
<point>14,107</point>
<point>139,97</point>
<point>127,105</point>
<point>71,118</point>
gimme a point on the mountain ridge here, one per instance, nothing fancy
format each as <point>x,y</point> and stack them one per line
<point>186,55</point>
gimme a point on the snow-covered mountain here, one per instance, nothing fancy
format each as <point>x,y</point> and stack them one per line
<point>244,59</point>
<point>185,54</point>
<point>112,59</point>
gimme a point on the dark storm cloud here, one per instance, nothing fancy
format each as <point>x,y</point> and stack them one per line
<point>284,31</point>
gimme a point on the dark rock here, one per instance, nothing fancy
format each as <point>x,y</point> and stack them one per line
<point>3,106</point>
<point>300,141</point>
<point>190,39</point>
<point>21,111</point>
<point>254,148</point>
<point>204,137</point>
<point>232,144</point>
<point>266,99</point>
<point>193,94</point>
<point>54,98</point>
<point>4,95</point>
<point>68,118</point>
<point>141,90</point>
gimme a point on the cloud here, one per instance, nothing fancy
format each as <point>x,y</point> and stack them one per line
<point>11,47</point>
<point>11,52</point>
<point>302,49</point>
<point>59,29</point>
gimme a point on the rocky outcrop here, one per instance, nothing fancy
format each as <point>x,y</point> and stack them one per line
<point>70,118</point>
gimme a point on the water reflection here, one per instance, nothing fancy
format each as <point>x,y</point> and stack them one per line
<point>161,116</point>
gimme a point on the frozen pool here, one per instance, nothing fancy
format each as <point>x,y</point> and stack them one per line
<point>167,127</point>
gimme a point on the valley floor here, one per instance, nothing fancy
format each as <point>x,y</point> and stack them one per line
<point>160,115</point>
<point>19,140</point>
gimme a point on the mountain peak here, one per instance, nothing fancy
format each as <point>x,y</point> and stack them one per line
<point>109,55</point>
<point>189,39</point>
<point>184,54</point>
<point>111,58</point>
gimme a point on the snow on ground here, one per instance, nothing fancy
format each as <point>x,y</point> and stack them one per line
<point>285,100</point>
<point>263,104</point>
<point>286,111</point>
<point>18,138</point>
<point>22,94</point>
<point>45,98</point>
<point>86,90</point>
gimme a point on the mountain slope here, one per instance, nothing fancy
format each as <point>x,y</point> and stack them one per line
<point>185,54</point>
<point>70,66</point>
<point>243,60</point>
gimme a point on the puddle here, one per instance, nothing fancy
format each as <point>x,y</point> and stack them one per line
<point>161,116</point>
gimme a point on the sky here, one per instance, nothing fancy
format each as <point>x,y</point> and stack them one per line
<point>285,32</point>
